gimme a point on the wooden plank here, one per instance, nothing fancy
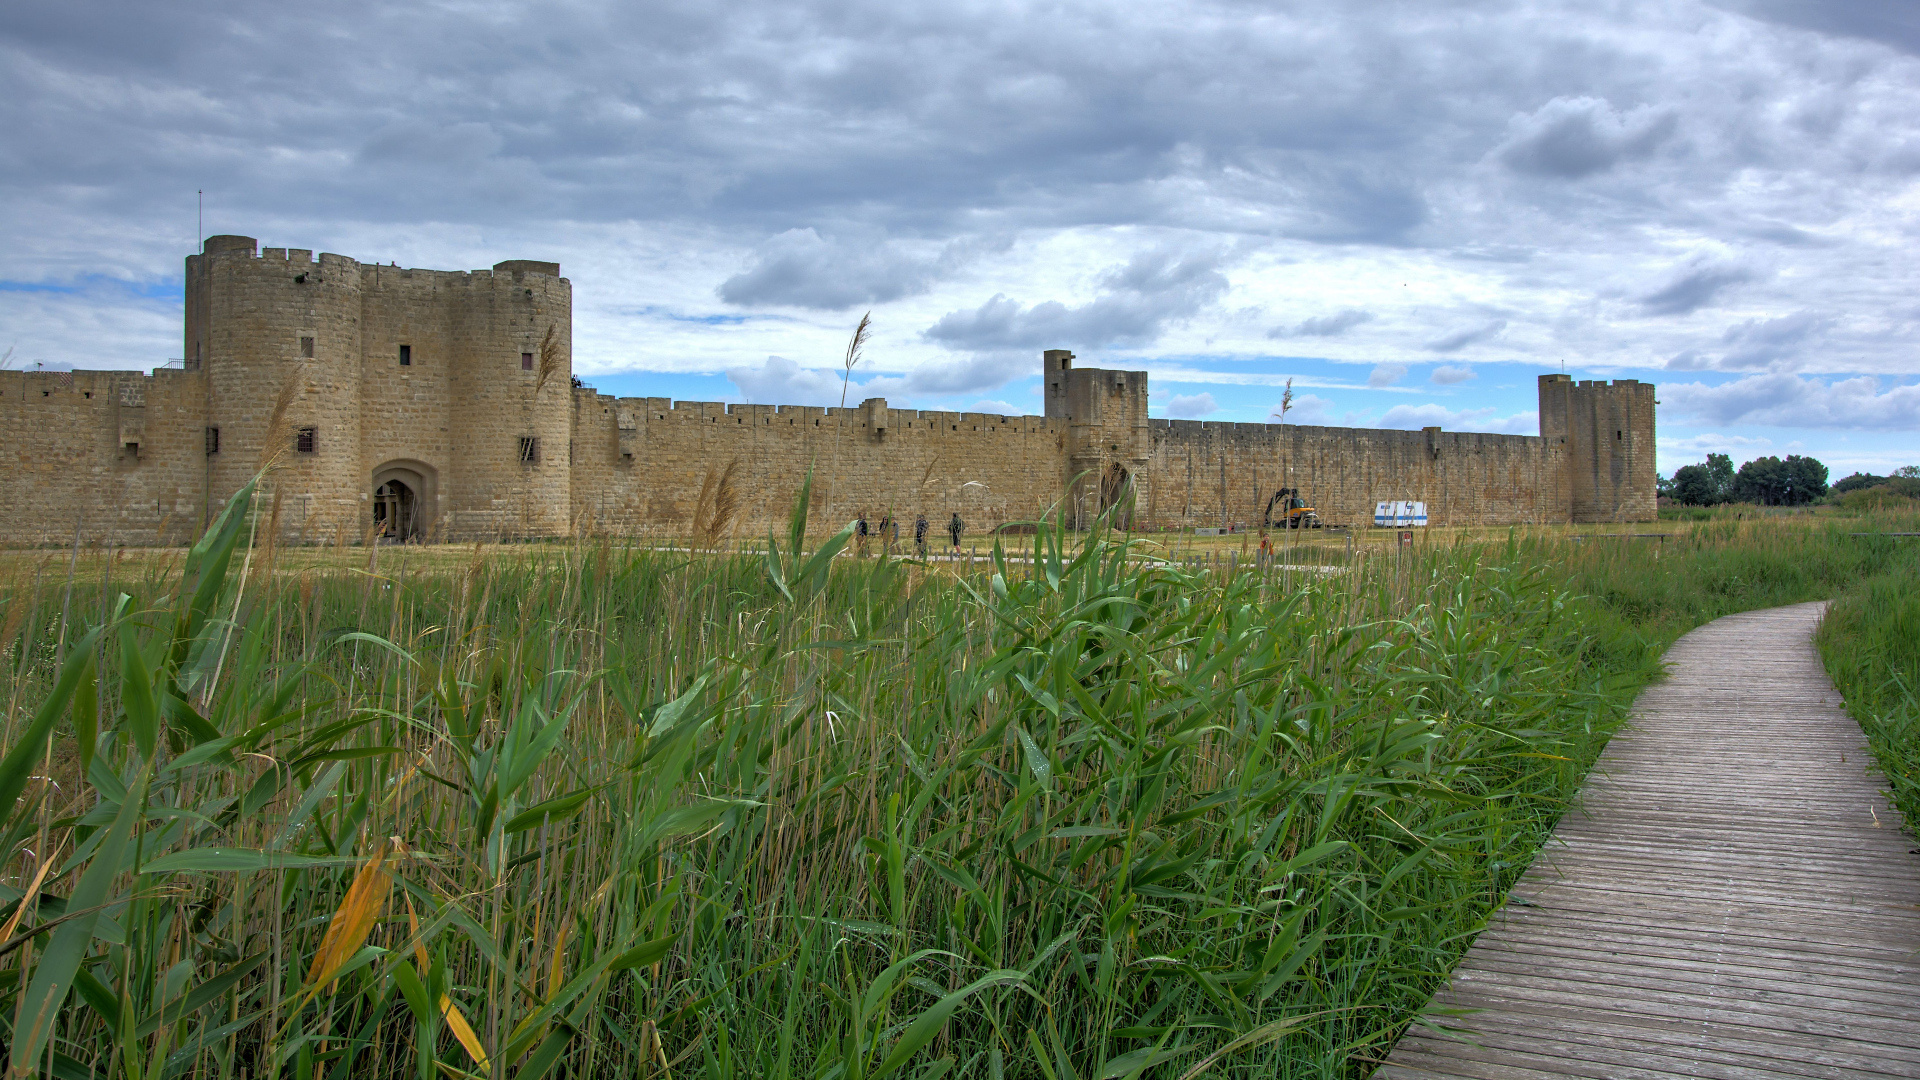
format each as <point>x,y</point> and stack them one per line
<point>1732,897</point>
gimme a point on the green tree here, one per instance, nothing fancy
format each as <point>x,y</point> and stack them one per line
<point>1720,472</point>
<point>1773,482</point>
<point>1693,485</point>
<point>1857,481</point>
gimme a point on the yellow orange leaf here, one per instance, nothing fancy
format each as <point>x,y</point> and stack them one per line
<point>33,890</point>
<point>463,1031</point>
<point>355,919</point>
<point>559,958</point>
<point>456,1020</point>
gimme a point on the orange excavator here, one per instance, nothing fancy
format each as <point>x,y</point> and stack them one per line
<point>1293,511</point>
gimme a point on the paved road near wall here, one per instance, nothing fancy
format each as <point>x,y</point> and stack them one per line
<point>1733,898</point>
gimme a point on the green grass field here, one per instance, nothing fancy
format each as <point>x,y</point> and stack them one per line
<point>592,809</point>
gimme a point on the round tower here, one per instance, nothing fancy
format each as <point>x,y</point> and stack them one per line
<point>278,336</point>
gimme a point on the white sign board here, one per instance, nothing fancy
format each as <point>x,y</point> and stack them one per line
<point>1399,513</point>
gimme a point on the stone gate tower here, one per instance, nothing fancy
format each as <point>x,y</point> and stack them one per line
<point>1107,440</point>
<point>1605,436</point>
<point>420,403</point>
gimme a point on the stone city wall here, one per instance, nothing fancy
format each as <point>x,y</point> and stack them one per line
<point>112,454</point>
<point>488,448</point>
<point>640,464</point>
<point>1206,474</point>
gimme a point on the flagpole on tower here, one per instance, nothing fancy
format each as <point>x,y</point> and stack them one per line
<point>200,222</point>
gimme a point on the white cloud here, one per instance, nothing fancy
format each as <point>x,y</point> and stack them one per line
<point>1787,400</point>
<point>1384,375</point>
<point>990,405</point>
<point>1448,375</point>
<point>1308,409</point>
<point>1487,420</point>
<point>1138,300</point>
<point>1711,443</point>
<point>1324,325</point>
<point>1191,406</point>
<point>780,381</point>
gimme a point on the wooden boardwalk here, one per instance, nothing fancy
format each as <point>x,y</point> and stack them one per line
<point>1733,899</point>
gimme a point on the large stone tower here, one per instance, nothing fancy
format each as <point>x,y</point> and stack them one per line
<point>1107,441</point>
<point>1606,441</point>
<point>417,403</point>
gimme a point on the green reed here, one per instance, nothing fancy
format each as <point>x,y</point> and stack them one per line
<point>1870,640</point>
<point>594,810</point>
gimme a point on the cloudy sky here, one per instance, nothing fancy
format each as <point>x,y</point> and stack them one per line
<point>1411,209</point>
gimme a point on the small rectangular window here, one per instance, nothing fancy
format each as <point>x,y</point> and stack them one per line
<point>529,449</point>
<point>213,441</point>
<point>306,348</point>
<point>133,450</point>
<point>306,439</point>
<point>406,356</point>
<point>526,361</point>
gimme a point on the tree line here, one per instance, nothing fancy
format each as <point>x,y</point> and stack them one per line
<point>1768,481</point>
<point>1774,481</point>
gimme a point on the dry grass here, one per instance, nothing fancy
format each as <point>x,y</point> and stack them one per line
<point>550,358</point>
<point>718,507</point>
<point>277,442</point>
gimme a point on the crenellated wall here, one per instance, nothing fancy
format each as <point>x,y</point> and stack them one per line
<point>640,464</point>
<point>487,445</point>
<point>1207,474</point>
<point>66,465</point>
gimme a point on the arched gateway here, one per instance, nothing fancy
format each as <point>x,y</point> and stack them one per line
<point>405,496</point>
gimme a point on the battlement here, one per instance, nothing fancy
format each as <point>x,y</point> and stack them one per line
<point>421,410</point>
<point>228,247</point>
<point>1606,432</point>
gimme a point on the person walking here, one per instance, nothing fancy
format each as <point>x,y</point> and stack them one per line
<point>955,528</point>
<point>860,534</point>
<point>920,535</point>
<point>889,532</point>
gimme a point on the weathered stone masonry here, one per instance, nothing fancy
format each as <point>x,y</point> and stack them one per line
<point>440,405</point>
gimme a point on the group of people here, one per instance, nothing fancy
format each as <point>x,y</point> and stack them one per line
<point>888,532</point>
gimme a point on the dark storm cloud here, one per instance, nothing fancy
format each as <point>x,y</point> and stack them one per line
<point>1576,137</point>
<point>1472,335</point>
<point>1695,286</point>
<point>801,269</point>
<point>1892,23</point>
<point>1136,303</point>
<point>1771,343</point>
<point>766,118</point>
<point>1510,157</point>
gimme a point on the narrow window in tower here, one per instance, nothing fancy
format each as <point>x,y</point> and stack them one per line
<point>526,361</point>
<point>306,439</point>
<point>133,450</point>
<point>529,449</point>
<point>306,348</point>
<point>213,441</point>
<point>406,356</point>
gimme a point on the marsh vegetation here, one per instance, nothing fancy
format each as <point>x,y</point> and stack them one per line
<point>593,810</point>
